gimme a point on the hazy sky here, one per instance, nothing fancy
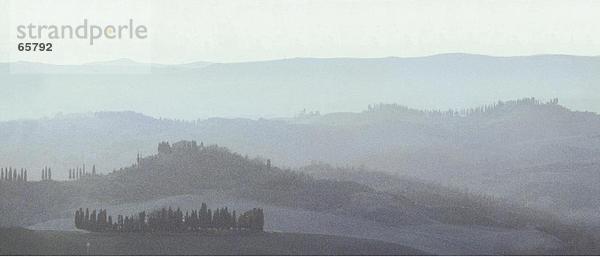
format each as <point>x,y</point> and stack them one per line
<point>245,30</point>
<point>181,31</point>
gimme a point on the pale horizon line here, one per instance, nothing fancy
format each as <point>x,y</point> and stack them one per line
<point>132,60</point>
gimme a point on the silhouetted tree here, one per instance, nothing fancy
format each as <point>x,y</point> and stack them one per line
<point>142,221</point>
<point>77,219</point>
<point>233,220</point>
<point>203,217</point>
<point>93,221</point>
<point>209,221</point>
<point>86,219</point>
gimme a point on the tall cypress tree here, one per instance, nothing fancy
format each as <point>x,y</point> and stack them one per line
<point>179,215</point>
<point>261,219</point>
<point>77,219</point>
<point>86,221</point>
<point>142,220</point>
<point>81,218</point>
<point>209,219</point>
<point>196,220</point>
<point>215,219</point>
<point>93,221</point>
<point>233,220</point>
<point>186,218</point>
<point>203,216</point>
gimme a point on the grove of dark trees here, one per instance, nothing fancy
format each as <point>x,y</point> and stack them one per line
<point>169,220</point>
<point>80,172</point>
<point>396,108</point>
<point>46,174</point>
<point>10,174</point>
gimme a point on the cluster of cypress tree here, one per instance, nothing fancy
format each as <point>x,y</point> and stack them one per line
<point>253,219</point>
<point>80,172</point>
<point>171,220</point>
<point>46,173</point>
<point>94,221</point>
<point>10,174</point>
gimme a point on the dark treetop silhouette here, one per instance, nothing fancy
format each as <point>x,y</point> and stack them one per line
<point>170,220</point>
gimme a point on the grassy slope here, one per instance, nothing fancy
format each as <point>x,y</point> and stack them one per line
<point>16,241</point>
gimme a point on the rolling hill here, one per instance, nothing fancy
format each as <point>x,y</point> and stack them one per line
<point>540,154</point>
<point>187,174</point>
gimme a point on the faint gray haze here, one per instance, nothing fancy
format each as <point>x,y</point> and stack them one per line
<point>283,88</point>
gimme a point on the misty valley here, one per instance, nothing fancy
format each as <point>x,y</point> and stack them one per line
<point>151,159</point>
<point>399,180</point>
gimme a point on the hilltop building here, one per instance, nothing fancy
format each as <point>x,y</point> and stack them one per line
<point>181,146</point>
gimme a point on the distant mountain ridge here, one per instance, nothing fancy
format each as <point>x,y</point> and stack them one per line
<point>280,88</point>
